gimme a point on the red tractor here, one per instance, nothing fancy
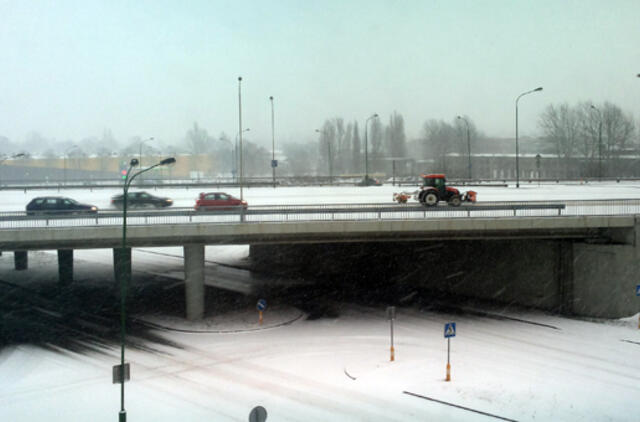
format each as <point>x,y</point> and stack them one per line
<point>435,189</point>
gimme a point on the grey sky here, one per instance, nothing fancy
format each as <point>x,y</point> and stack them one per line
<point>152,68</point>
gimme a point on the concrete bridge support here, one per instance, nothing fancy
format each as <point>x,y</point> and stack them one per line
<point>65,266</point>
<point>20,260</point>
<point>194,281</point>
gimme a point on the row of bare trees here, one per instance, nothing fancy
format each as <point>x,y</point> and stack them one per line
<point>587,135</point>
<point>343,145</point>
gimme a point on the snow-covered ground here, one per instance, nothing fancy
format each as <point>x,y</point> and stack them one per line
<point>333,368</point>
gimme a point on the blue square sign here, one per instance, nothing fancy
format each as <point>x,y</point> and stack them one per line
<point>638,290</point>
<point>449,329</point>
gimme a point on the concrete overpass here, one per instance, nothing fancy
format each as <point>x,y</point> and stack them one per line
<point>592,256</point>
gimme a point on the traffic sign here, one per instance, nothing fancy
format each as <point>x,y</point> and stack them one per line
<point>638,290</point>
<point>274,163</point>
<point>449,329</point>
<point>262,305</point>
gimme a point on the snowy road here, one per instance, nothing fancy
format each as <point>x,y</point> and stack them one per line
<point>582,371</point>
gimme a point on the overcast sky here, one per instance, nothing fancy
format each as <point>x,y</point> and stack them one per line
<point>69,69</point>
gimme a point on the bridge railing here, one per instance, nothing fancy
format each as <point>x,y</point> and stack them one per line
<point>324,212</point>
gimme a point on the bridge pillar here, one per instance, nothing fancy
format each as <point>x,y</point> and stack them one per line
<point>20,260</point>
<point>121,266</point>
<point>65,266</point>
<point>194,281</point>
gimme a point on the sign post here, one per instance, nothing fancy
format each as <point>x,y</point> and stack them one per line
<point>261,306</point>
<point>449,331</point>
<point>391,315</point>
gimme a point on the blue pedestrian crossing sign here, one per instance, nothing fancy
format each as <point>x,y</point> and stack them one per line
<point>262,305</point>
<point>449,329</point>
<point>638,290</point>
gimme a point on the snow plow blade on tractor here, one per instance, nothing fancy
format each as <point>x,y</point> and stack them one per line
<point>434,190</point>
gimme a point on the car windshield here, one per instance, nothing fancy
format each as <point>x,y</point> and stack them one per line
<point>325,278</point>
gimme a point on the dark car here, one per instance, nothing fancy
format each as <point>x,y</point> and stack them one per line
<point>141,200</point>
<point>218,201</point>
<point>369,181</point>
<point>58,205</point>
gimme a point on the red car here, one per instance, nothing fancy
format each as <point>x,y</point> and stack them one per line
<point>218,201</point>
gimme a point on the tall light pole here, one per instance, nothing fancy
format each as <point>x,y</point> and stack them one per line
<point>140,150</point>
<point>329,156</point>
<point>233,155</point>
<point>366,148</point>
<point>64,162</point>
<point>468,143</point>
<point>236,162</point>
<point>599,141</point>
<point>240,132</point>
<point>125,275</point>
<point>517,152</point>
<point>274,163</point>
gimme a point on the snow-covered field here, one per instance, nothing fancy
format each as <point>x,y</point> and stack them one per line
<point>333,368</point>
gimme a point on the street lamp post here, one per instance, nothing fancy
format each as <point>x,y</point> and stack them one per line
<point>366,148</point>
<point>329,156</point>
<point>64,162</point>
<point>240,132</point>
<point>517,152</point>
<point>599,141</point>
<point>468,143</point>
<point>273,145</point>
<point>125,275</point>
<point>236,159</point>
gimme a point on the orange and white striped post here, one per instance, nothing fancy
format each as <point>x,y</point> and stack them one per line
<point>391,315</point>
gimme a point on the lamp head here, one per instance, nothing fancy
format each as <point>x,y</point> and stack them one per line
<point>459,117</point>
<point>271,98</point>
<point>167,161</point>
<point>134,162</point>
<point>538,89</point>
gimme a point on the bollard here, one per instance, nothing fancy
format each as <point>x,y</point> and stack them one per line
<point>448,378</point>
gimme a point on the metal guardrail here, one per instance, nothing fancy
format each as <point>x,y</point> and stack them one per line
<point>323,212</point>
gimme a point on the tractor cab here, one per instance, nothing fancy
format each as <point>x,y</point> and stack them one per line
<point>437,181</point>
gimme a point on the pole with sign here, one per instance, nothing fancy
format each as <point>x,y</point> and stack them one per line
<point>261,306</point>
<point>449,331</point>
<point>391,315</point>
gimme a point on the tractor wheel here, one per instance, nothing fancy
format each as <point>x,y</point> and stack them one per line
<point>430,199</point>
<point>455,201</point>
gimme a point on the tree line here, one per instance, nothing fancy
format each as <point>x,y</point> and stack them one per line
<point>586,137</point>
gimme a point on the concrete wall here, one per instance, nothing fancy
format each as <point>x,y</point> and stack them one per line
<point>568,276</point>
<point>605,280</point>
